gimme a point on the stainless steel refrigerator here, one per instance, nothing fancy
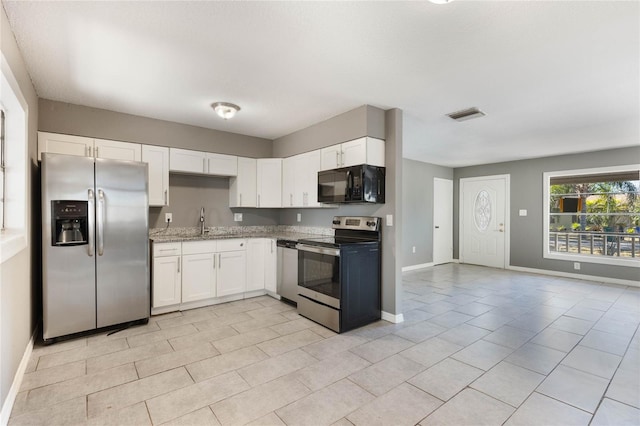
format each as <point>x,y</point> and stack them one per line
<point>95,243</point>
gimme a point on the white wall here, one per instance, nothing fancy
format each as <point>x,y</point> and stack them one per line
<point>18,300</point>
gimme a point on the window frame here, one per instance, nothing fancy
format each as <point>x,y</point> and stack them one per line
<point>16,204</point>
<point>574,257</point>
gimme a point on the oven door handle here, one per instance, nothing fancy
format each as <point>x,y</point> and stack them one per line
<point>320,250</point>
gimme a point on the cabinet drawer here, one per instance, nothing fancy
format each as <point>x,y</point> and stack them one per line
<point>232,244</point>
<point>198,247</point>
<point>167,249</point>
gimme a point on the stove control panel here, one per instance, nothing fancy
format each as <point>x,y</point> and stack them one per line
<point>359,223</point>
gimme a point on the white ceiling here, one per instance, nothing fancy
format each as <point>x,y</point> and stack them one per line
<point>553,77</point>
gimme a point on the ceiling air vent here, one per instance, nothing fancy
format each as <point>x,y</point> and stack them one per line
<point>466,114</point>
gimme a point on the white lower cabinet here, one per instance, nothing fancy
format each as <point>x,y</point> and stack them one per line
<point>261,264</point>
<point>197,273</point>
<point>270,265</point>
<point>198,277</point>
<point>167,275</point>
<point>231,273</point>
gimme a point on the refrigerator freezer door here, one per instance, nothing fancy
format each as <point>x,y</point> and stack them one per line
<point>68,272</point>
<point>122,242</point>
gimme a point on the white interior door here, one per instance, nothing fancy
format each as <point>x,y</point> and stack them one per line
<point>483,215</point>
<point>442,221</point>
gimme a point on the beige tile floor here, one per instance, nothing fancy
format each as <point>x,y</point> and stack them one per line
<point>478,346</point>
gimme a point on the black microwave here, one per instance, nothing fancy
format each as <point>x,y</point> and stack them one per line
<point>355,184</point>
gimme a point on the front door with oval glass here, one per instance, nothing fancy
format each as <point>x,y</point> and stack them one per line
<point>483,228</point>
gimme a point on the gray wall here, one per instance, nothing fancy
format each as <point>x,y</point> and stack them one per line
<point>189,193</point>
<point>186,193</point>
<point>70,119</point>
<point>363,121</point>
<point>19,277</point>
<point>417,209</point>
<point>526,238</point>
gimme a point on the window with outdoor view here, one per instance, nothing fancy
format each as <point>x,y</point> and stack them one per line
<point>594,214</point>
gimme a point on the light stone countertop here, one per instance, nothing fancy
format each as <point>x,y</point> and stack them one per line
<point>294,233</point>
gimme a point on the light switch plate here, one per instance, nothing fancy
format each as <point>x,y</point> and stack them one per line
<point>299,217</point>
<point>389,220</point>
<point>168,217</point>
<point>237,217</point>
<point>522,212</point>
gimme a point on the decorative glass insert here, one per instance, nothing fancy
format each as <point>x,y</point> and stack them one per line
<point>482,211</point>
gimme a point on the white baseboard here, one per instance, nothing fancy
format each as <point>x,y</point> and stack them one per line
<point>17,381</point>
<point>415,267</point>
<point>576,276</point>
<point>392,318</point>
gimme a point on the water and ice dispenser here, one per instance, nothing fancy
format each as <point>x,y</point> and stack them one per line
<point>69,222</point>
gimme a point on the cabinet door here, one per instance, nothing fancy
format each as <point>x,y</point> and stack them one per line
<point>115,150</point>
<point>187,161</point>
<point>64,144</point>
<point>198,277</point>
<point>222,165</point>
<point>269,178</point>
<point>157,157</point>
<point>270,265</point>
<point>255,264</point>
<point>310,165</point>
<point>289,181</point>
<point>242,188</point>
<point>354,152</point>
<point>231,273</point>
<point>330,157</point>
<point>167,284</point>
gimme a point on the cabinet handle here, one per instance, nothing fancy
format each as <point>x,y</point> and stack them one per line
<point>271,246</point>
<point>166,250</point>
<point>87,151</point>
<point>291,199</point>
<point>165,198</point>
<point>208,165</point>
<point>214,261</point>
<point>337,158</point>
<point>240,200</point>
<point>341,158</point>
<point>219,261</point>
<point>204,166</point>
<point>179,265</point>
<point>97,155</point>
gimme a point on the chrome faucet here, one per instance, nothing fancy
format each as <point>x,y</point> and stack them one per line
<point>202,221</point>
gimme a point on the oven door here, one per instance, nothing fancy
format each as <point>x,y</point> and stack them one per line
<point>319,274</point>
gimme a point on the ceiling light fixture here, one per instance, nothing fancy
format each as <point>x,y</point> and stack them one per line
<point>466,114</point>
<point>225,110</point>
<point>440,1</point>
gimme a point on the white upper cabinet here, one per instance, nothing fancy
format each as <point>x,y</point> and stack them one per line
<point>187,161</point>
<point>202,163</point>
<point>64,144</point>
<point>289,177</point>
<point>269,182</point>
<point>359,151</point>
<point>242,188</point>
<point>300,180</point>
<point>88,147</point>
<point>222,164</point>
<point>157,157</point>
<point>115,150</point>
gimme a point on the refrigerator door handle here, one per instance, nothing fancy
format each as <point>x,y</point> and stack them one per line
<point>91,230</point>
<point>100,219</point>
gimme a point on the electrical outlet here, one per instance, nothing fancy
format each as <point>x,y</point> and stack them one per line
<point>389,220</point>
<point>237,217</point>
<point>299,217</point>
<point>413,249</point>
<point>168,217</point>
<point>576,266</point>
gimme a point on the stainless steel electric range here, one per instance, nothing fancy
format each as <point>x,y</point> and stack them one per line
<point>339,278</point>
